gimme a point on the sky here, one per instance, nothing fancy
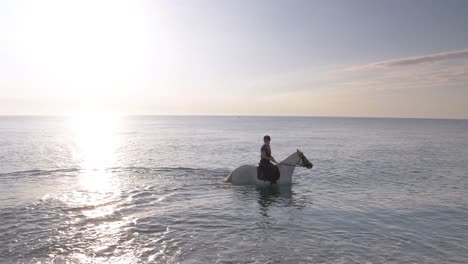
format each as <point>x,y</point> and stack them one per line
<point>389,58</point>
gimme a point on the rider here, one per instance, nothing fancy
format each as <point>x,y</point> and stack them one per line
<point>265,152</point>
<point>268,170</point>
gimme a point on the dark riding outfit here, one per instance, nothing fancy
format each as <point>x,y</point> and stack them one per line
<point>267,151</point>
<point>268,171</point>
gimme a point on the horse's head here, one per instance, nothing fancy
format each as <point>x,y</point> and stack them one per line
<point>303,161</point>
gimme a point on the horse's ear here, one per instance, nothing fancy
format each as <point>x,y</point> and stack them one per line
<point>297,150</point>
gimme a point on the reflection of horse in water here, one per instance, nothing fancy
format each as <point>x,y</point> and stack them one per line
<point>278,195</point>
<point>247,174</point>
<point>273,194</point>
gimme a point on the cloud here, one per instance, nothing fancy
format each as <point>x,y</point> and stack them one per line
<point>447,69</point>
<point>416,77</point>
<point>431,58</point>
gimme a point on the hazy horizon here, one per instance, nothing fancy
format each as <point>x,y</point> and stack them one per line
<point>386,59</point>
<point>103,116</point>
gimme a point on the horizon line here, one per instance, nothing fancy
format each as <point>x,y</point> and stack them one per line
<point>230,115</point>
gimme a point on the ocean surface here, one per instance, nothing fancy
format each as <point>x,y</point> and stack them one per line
<point>149,189</point>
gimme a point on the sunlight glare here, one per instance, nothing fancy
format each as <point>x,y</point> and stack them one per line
<point>89,48</point>
<point>96,140</point>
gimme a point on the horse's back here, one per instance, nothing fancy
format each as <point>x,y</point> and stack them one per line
<point>245,174</point>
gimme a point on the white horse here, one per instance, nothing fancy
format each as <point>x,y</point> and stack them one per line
<point>247,174</point>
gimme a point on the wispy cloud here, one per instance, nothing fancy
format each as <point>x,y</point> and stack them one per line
<point>430,58</point>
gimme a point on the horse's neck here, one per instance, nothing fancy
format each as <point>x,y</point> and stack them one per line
<point>291,160</point>
<point>289,164</point>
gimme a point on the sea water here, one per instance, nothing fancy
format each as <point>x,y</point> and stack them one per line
<point>137,189</point>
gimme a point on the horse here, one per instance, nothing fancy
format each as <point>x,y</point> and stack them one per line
<point>247,174</point>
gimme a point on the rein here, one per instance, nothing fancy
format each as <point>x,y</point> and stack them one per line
<point>291,165</point>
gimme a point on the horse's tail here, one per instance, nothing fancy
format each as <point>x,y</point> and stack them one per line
<point>228,178</point>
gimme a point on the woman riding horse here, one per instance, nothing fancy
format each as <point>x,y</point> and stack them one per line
<point>268,171</point>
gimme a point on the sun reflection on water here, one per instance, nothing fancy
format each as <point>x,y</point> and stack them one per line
<point>97,194</point>
<point>96,141</point>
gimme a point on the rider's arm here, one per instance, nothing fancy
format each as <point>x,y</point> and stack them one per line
<point>264,156</point>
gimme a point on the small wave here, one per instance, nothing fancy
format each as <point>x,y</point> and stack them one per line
<point>90,206</point>
<point>162,169</point>
<point>37,172</point>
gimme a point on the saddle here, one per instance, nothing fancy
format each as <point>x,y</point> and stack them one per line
<point>268,173</point>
